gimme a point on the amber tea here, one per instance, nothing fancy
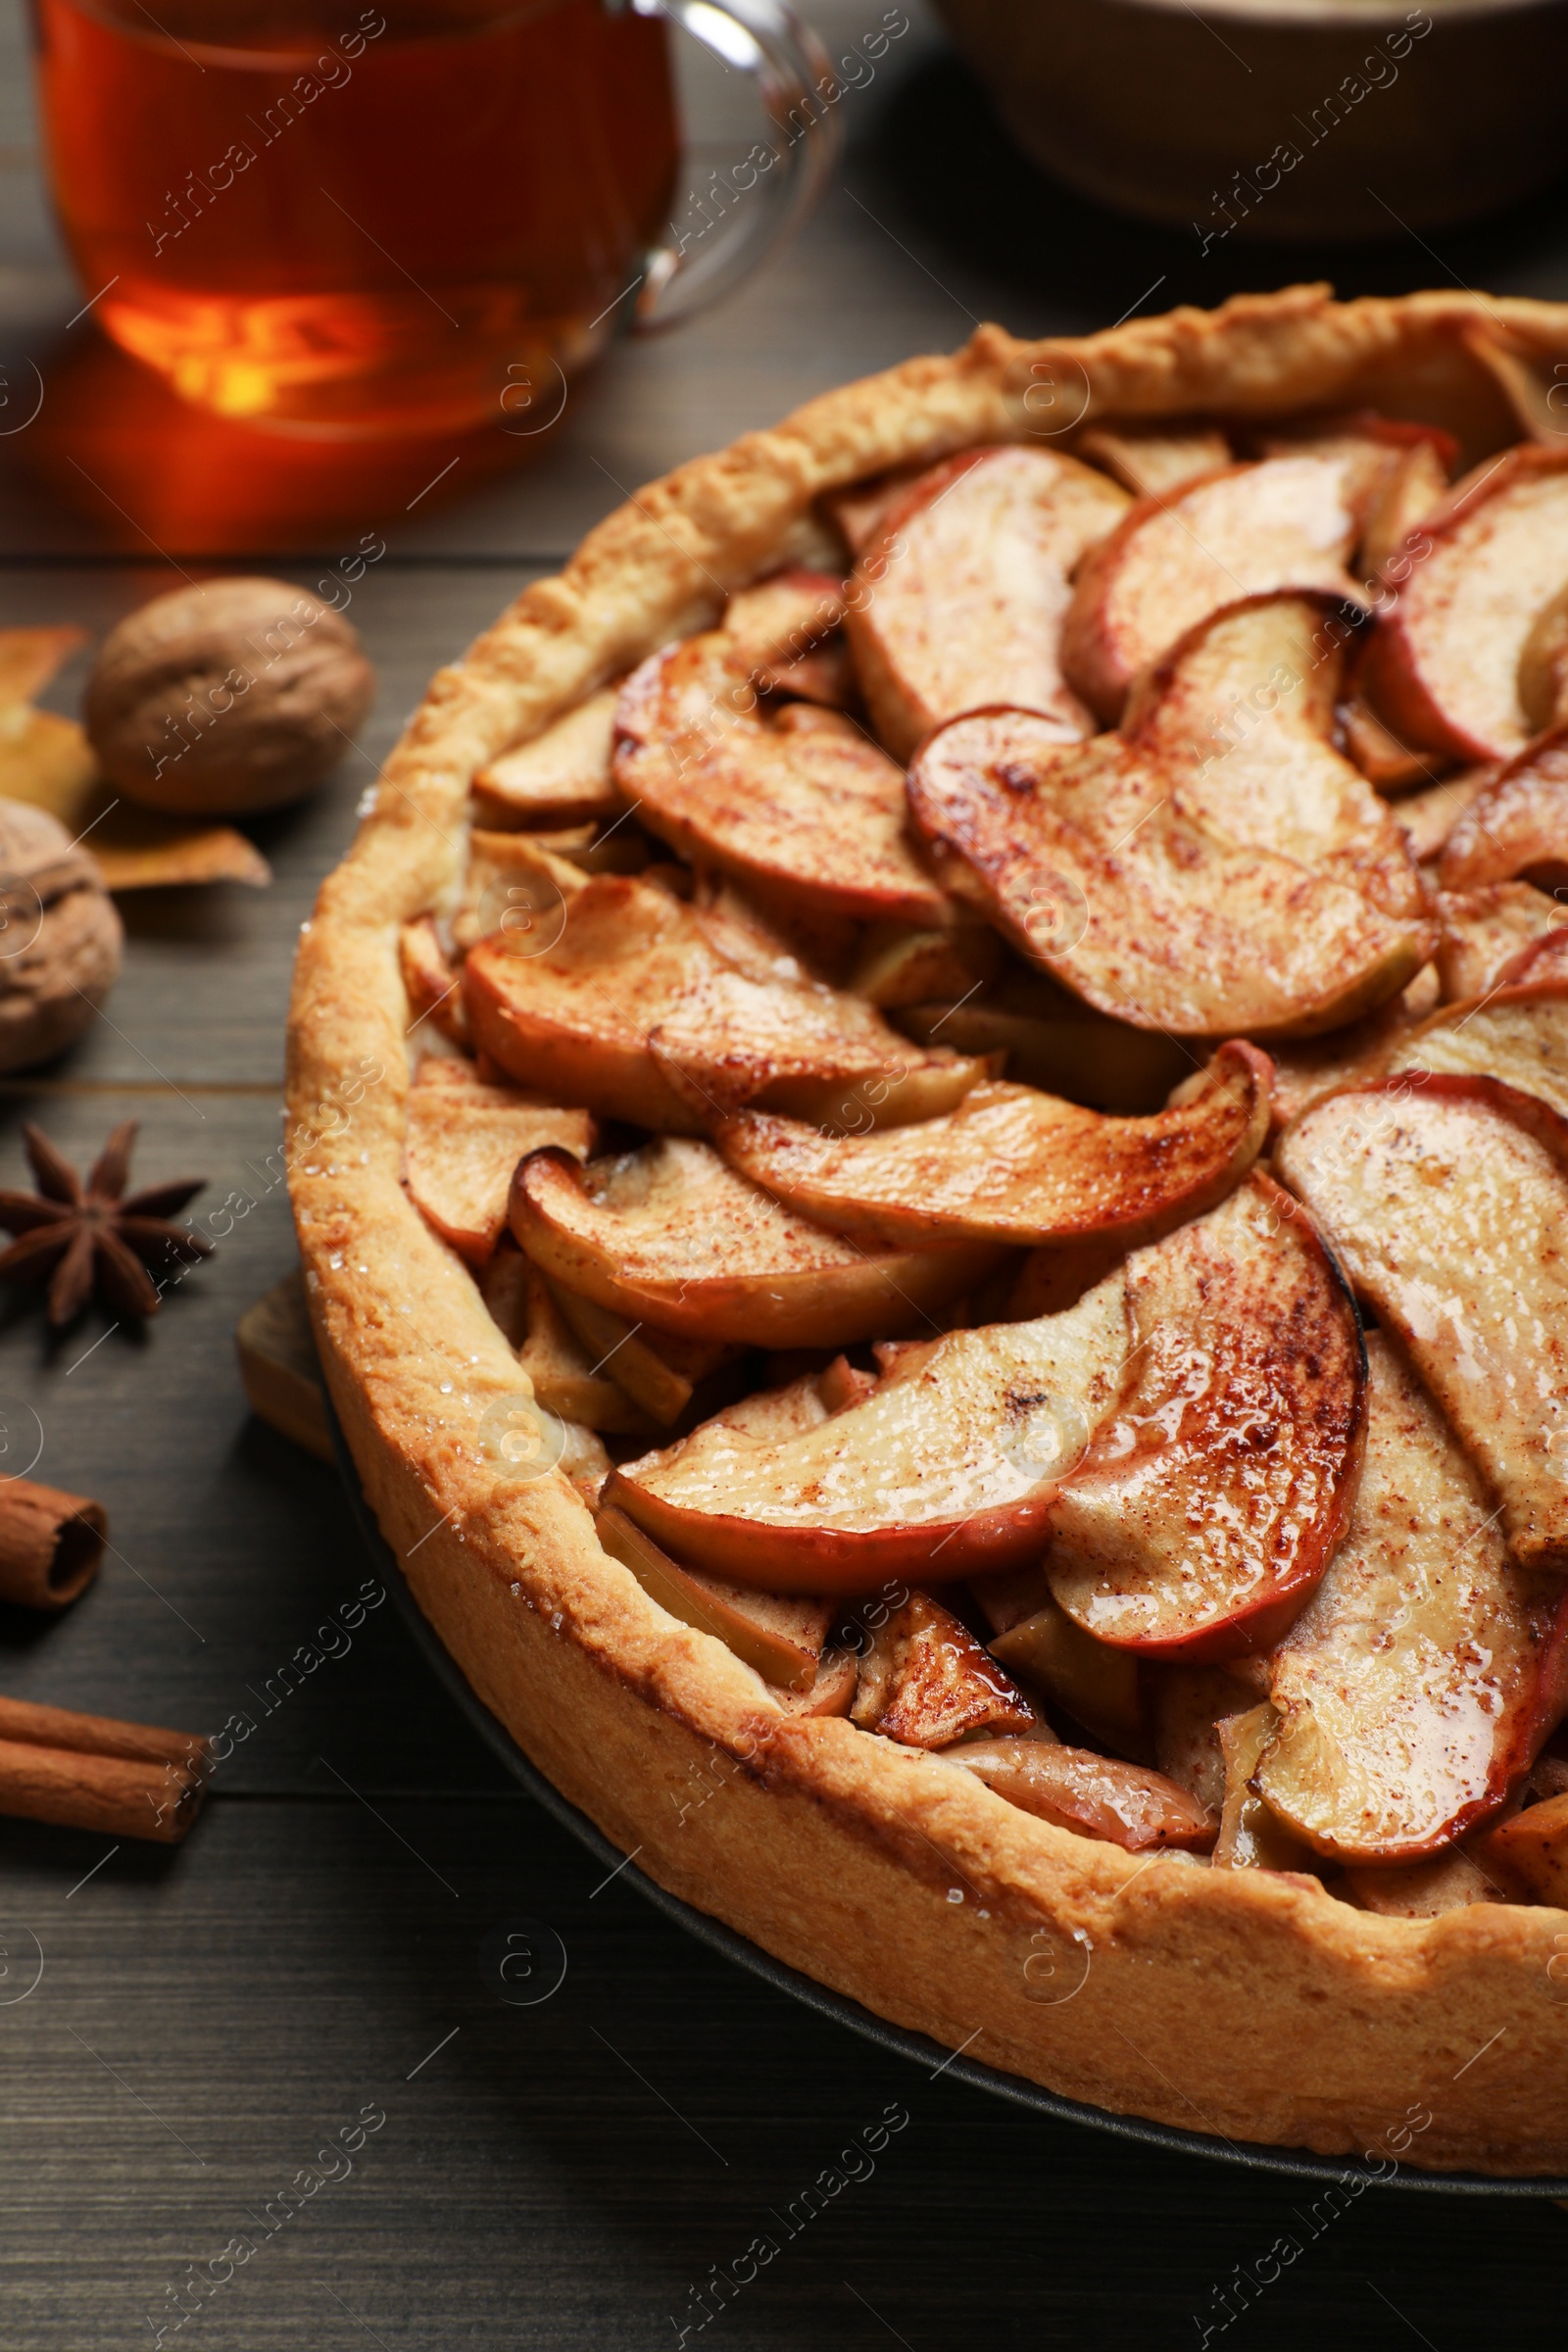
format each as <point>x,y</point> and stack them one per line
<point>324,218</point>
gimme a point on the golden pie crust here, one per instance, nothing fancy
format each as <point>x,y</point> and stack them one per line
<point>1234,2003</point>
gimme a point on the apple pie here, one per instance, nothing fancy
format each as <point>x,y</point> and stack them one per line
<point>929,1129</point>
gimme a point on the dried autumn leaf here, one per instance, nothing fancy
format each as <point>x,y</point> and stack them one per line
<point>30,657</point>
<point>136,850</point>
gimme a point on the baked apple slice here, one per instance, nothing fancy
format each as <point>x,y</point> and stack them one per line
<point>1544,667</point>
<point>797,800</point>
<point>1092,865</point>
<point>431,981</point>
<point>464,1140</point>
<point>1444,665</point>
<point>833,1690</point>
<point>1517,829</point>
<point>516,888</point>
<point>505,1282</point>
<point>566,1380</point>
<point>959,597</point>
<point>1052,1040</point>
<point>673,1235</point>
<point>925,1681</point>
<point>1056,1276</point>
<point>647,1009</point>
<point>777,619</point>
<point>1542,960</point>
<point>1427,1669</point>
<point>1531,1852</point>
<point>773,1416</point>
<point>1251,1835</point>
<point>1447,1199</point>
<point>562,777</point>
<point>1014,1165</point>
<point>1398,473</point>
<point>1098,1796</point>
<point>1209,1503</point>
<point>1519,1035</point>
<point>946,1468</point>
<point>1426,819</point>
<point>1154,460</point>
<point>1284,523</point>
<point>857,513</point>
<point>1188,1704</point>
<point>781,1639</point>
<point>824,675</point>
<point>1415,489</point>
<point>900,967</point>
<point>1448,1882</point>
<point>659,1370</point>
<point>1315,1066</point>
<point>1487,934</point>
<point>1098,1687</point>
<point>1384,760</point>
<point>1246,706</point>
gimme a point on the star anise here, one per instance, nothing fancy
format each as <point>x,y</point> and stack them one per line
<point>77,1237</point>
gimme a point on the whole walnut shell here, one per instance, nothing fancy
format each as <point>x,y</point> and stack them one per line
<point>236,695</point>
<point>59,936</point>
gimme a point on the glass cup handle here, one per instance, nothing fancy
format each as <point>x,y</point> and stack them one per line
<point>740,218</point>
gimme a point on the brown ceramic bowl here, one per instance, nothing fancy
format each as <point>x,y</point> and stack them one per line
<point>1280,118</point>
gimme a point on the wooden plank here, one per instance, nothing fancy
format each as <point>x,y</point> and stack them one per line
<point>570,2173</point>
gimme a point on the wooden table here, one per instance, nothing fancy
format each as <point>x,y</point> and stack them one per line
<point>568,2172</point>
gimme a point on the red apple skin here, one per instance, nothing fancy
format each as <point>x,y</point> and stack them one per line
<point>1539,969</point>
<point>1530,1696</point>
<point>1254,1628</point>
<point>1538,1118</point>
<point>840,1560</point>
<point>1098,652</point>
<point>1252,1633</point>
<point>1509,1768</point>
<point>1391,671</point>
<point>617,1080</point>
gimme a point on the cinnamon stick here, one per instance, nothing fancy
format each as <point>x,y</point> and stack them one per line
<point>90,1772</point>
<point>51,1544</point>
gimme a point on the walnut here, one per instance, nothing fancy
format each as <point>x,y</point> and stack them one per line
<point>59,936</point>
<point>237,695</point>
